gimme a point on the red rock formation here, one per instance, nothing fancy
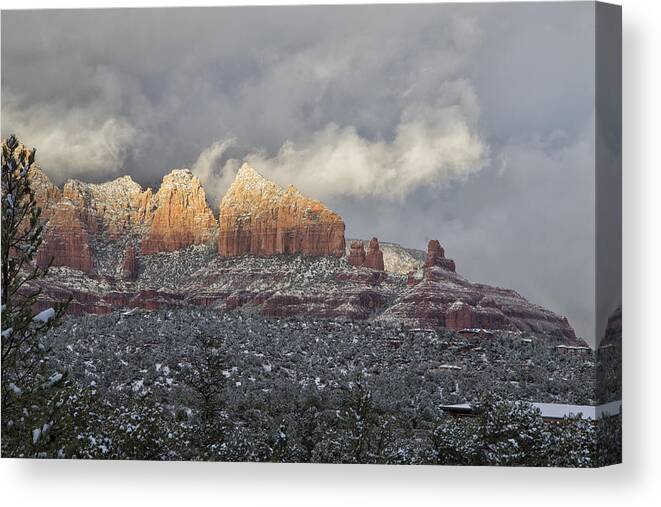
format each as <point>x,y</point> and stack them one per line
<point>444,298</point>
<point>434,251</point>
<point>374,257</point>
<point>83,211</point>
<point>357,254</point>
<point>66,240</point>
<point>46,194</point>
<point>261,218</point>
<point>181,216</point>
<point>111,209</point>
<point>327,288</point>
<point>436,257</point>
<point>176,217</point>
<point>130,264</point>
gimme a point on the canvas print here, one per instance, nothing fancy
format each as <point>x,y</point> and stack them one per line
<point>369,234</point>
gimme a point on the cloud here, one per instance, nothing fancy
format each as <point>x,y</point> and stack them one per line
<point>144,91</point>
<point>91,135</point>
<point>434,144</point>
<point>68,150</point>
<point>206,167</point>
<point>526,221</point>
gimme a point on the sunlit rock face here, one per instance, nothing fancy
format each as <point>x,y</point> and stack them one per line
<point>259,217</point>
<point>46,194</point>
<point>84,216</point>
<point>178,215</point>
<point>84,220</point>
<point>112,209</point>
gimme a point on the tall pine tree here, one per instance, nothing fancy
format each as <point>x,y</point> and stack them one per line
<point>29,386</point>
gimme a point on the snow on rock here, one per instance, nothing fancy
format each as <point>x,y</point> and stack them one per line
<point>54,379</point>
<point>44,316</point>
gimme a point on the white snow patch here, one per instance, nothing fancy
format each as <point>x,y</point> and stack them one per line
<point>44,316</point>
<point>54,379</point>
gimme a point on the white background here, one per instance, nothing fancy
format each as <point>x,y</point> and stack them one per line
<point>636,482</point>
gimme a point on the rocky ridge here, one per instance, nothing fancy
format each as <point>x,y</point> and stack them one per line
<point>88,224</point>
<point>297,285</point>
<point>277,253</point>
<point>259,217</point>
<point>438,296</point>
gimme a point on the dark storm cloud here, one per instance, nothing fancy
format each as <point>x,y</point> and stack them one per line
<point>145,90</point>
<point>467,123</point>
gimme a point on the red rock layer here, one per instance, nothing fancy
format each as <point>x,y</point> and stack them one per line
<point>443,298</point>
<point>274,287</point>
<point>260,285</point>
<point>261,218</point>
<point>181,216</point>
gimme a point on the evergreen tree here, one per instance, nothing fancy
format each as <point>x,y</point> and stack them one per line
<point>29,386</point>
<point>203,377</point>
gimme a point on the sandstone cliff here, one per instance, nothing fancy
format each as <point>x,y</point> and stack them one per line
<point>46,194</point>
<point>84,215</point>
<point>114,208</point>
<point>85,220</point>
<point>66,240</point>
<point>179,215</point>
<point>436,257</point>
<point>261,218</point>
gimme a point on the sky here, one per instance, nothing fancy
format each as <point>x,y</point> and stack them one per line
<point>470,124</point>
